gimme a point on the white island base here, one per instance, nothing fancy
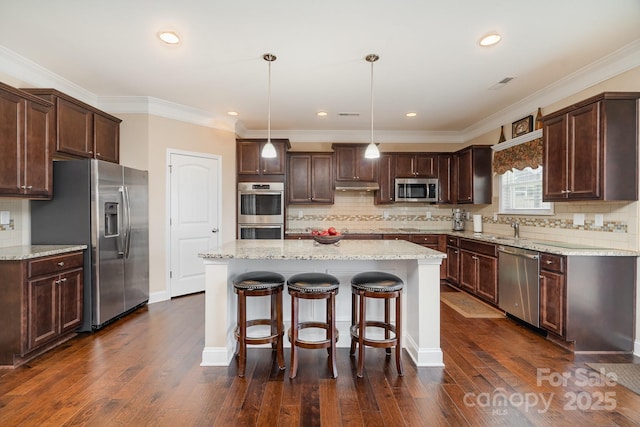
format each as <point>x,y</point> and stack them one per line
<point>418,266</point>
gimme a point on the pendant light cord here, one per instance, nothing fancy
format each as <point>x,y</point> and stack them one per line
<point>372,101</point>
<point>269,106</point>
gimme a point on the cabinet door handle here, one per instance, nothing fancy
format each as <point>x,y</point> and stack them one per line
<point>90,151</point>
<point>62,280</point>
<point>98,154</point>
<point>474,258</point>
<point>549,262</point>
<point>60,264</point>
<point>455,252</point>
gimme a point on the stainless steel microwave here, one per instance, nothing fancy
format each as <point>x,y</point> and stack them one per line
<point>416,190</point>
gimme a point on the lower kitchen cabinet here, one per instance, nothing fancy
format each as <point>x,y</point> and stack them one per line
<point>553,296</point>
<point>41,305</point>
<point>587,303</point>
<point>453,260</point>
<point>479,269</point>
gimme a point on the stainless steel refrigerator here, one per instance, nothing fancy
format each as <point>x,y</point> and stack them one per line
<point>105,206</point>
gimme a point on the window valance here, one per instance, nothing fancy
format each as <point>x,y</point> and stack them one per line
<point>519,153</point>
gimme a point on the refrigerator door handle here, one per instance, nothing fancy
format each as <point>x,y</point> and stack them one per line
<point>127,207</point>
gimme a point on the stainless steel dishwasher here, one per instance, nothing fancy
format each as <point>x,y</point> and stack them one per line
<point>518,283</point>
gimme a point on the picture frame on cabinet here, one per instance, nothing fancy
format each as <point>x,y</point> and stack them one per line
<point>522,126</point>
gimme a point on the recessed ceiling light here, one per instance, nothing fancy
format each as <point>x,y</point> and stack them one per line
<point>232,113</point>
<point>169,37</point>
<point>411,114</point>
<point>321,113</point>
<point>490,39</point>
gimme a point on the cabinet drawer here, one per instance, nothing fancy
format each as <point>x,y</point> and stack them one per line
<point>479,247</point>
<point>452,241</point>
<point>425,239</point>
<point>396,237</point>
<point>54,264</point>
<point>552,262</point>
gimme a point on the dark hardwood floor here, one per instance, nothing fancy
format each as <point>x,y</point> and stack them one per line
<point>144,370</point>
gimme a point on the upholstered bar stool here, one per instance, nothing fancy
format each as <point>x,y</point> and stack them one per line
<point>312,286</point>
<point>257,284</point>
<point>376,284</point>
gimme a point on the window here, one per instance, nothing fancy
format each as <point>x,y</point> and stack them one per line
<point>521,193</point>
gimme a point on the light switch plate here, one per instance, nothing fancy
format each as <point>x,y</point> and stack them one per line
<point>578,219</point>
<point>5,218</point>
<point>598,220</point>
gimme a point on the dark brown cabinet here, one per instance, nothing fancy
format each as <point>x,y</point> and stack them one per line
<point>553,296</point>
<point>351,165</point>
<point>41,305</point>
<point>25,163</point>
<point>386,179</point>
<point>251,166</point>
<point>310,178</point>
<point>590,150</point>
<point>473,175</point>
<point>453,260</point>
<point>416,165</point>
<point>479,269</point>
<point>80,130</point>
<point>445,169</point>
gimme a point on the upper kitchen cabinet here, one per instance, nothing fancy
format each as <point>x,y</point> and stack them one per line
<point>80,130</point>
<point>416,165</point>
<point>310,178</point>
<point>472,175</point>
<point>445,164</point>
<point>351,165</point>
<point>590,149</point>
<point>25,163</point>
<point>253,167</point>
<point>386,179</point>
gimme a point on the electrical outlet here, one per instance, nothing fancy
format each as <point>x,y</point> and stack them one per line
<point>385,214</point>
<point>578,219</point>
<point>495,216</point>
<point>300,215</point>
<point>428,214</point>
<point>598,220</point>
<point>4,218</point>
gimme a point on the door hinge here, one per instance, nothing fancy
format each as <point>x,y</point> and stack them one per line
<point>171,275</point>
<point>170,168</point>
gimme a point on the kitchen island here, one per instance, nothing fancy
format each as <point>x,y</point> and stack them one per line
<point>418,266</point>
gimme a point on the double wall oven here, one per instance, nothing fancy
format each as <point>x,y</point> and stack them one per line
<point>260,210</point>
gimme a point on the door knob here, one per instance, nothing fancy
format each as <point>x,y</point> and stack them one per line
<point>215,230</point>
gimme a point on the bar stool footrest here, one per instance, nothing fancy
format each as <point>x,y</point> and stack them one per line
<point>267,339</point>
<point>373,342</point>
<point>326,343</point>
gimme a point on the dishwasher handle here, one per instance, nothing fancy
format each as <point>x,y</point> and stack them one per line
<point>518,254</point>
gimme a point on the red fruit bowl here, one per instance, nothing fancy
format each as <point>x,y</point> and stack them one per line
<point>327,240</point>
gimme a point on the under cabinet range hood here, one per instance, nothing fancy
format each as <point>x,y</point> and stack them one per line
<point>356,186</point>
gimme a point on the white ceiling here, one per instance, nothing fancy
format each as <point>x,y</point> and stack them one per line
<point>430,60</point>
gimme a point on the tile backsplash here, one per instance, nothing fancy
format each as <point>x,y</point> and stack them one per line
<point>356,210</point>
<point>17,232</point>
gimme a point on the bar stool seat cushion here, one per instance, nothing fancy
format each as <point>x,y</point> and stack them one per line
<point>313,283</point>
<point>377,281</point>
<point>254,280</point>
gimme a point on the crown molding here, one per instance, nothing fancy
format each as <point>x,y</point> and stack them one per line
<point>617,62</point>
<point>34,75</point>
<point>167,109</point>
<point>358,136</point>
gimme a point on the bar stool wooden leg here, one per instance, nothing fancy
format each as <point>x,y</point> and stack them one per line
<point>399,366</point>
<point>354,320</point>
<point>331,334</point>
<point>242,325</point>
<point>293,371</point>
<point>387,320</point>
<point>361,332</point>
<point>279,331</point>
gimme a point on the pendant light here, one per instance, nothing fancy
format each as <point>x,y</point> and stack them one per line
<point>372,151</point>
<point>269,151</point>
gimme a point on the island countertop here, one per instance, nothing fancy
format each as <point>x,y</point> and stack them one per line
<point>310,250</point>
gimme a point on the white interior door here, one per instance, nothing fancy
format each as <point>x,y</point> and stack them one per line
<point>194,218</point>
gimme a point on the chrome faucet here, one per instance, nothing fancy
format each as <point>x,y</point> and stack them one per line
<point>516,230</point>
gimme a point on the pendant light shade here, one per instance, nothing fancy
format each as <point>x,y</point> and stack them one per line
<point>269,151</point>
<point>372,151</point>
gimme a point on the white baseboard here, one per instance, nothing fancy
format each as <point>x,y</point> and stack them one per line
<point>423,357</point>
<point>636,348</point>
<point>159,296</point>
<point>216,356</point>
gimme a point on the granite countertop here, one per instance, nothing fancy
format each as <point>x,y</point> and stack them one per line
<point>17,253</point>
<point>558,248</point>
<point>310,250</point>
